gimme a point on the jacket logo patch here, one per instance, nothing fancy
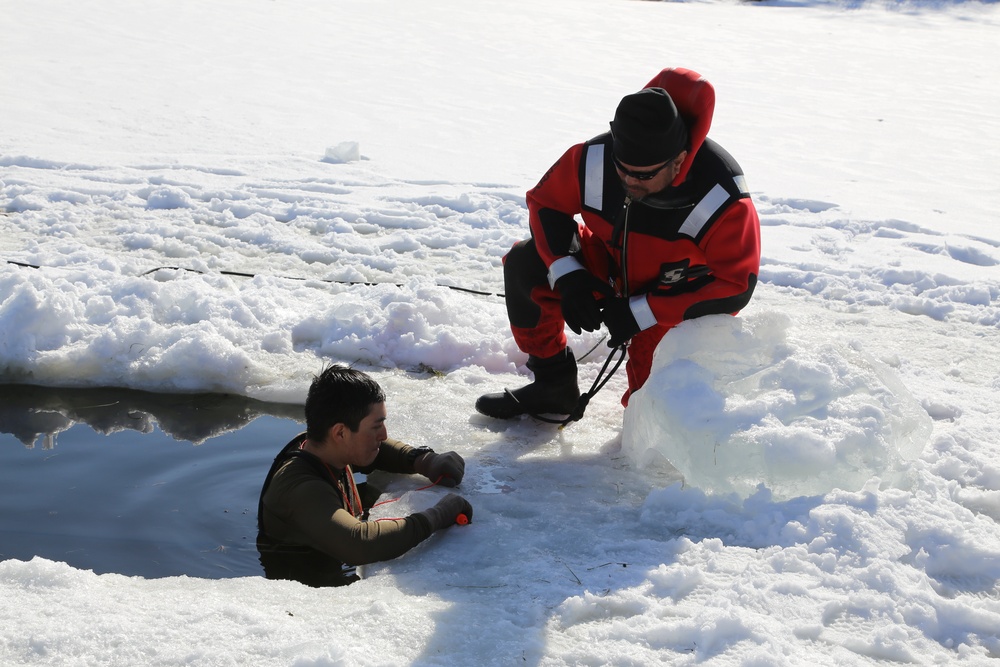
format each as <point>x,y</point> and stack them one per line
<point>674,272</point>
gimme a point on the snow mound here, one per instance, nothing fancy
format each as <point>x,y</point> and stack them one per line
<point>345,151</point>
<point>735,403</point>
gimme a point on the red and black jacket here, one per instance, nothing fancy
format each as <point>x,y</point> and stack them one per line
<point>691,250</point>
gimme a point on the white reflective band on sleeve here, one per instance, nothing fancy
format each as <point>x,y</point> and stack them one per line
<point>741,184</point>
<point>593,182</point>
<point>561,267</point>
<point>704,211</point>
<point>642,313</point>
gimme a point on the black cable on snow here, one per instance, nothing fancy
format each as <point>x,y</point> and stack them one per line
<point>242,274</point>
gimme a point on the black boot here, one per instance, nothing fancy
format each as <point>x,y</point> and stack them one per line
<point>554,390</point>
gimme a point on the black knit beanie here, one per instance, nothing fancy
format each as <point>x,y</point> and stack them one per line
<point>647,129</point>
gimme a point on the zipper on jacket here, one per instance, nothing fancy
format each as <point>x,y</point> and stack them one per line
<point>624,268</point>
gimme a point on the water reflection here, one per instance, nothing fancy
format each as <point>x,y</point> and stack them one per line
<point>124,491</point>
<point>32,414</point>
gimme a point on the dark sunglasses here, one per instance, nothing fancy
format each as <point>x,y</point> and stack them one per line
<point>639,175</point>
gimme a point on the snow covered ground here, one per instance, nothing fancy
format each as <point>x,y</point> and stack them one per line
<point>176,214</point>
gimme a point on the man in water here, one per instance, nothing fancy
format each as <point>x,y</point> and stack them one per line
<point>312,515</point>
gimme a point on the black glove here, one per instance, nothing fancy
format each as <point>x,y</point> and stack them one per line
<point>446,512</point>
<point>577,300</point>
<point>617,315</point>
<point>446,469</point>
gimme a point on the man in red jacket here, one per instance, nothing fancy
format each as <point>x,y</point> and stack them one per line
<point>668,233</point>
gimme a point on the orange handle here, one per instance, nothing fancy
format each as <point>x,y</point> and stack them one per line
<point>462,520</point>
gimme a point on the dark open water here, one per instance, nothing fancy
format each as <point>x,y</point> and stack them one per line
<point>136,483</point>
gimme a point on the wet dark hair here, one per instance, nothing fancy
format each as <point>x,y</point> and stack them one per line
<point>339,395</point>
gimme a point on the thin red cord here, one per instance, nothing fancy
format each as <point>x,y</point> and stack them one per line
<point>392,500</point>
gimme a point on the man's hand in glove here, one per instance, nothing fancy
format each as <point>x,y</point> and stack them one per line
<point>446,512</point>
<point>577,300</point>
<point>446,469</point>
<point>618,317</point>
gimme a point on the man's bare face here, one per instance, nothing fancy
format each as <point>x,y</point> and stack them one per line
<point>361,447</point>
